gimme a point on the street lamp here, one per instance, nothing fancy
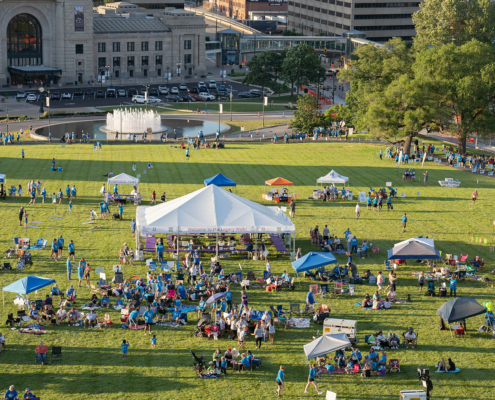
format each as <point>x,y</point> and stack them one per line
<point>147,87</point>
<point>41,100</point>
<point>188,99</point>
<point>231,102</point>
<point>7,109</point>
<point>178,69</point>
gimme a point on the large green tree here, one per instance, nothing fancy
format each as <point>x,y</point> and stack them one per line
<point>440,22</point>
<point>302,66</point>
<point>264,68</point>
<point>305,117</point>
<point>462,78</point>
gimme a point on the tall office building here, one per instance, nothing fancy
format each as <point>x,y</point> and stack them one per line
<point>380,21</point>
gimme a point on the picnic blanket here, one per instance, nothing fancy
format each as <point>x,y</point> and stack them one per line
<point>170,324</point>
<point>185,309</point>
<point>34,329</point>
<point>299,322</point>
<point>207,376</point>
<point>133,327</point>
<point>118,307</point>
<point>339,251</point>
<point>449,372</point>
<point>87,306</point>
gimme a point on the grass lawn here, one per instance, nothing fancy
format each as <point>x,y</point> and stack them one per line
<point>253,125</point>
<point>92,366</point>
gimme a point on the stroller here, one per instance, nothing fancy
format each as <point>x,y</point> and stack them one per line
<point>199,361</point>
<point>204,322</point>
<point>431,289</point>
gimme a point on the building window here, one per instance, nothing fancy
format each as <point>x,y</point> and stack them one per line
<point>24,44</point>
<point>310,8</point>
<point>337,14</point>
<point>159,60</point>
<point>385,5</point>
<point>291,3</point>
<point>145,72</point>
<point>330,12</point>
<point>338,26</point>
<point>144,46</point>
<point>187,44</point>
<point>382,16</point>
<point>159,46</point>
<point>348,5</point>
<point>116,46</point>
<point>102,61</point>
<point>159,72</point>
<point>340,3</point>
<point>116,61</point>
<point>347,27</point>
<point>130,46</point>
<point>324,10</point>
<point>384,28</point>
<point>131,73</point>
<point>102,47</point>
<point>317,20</point>
<point>79,48</point>
<point>187,58</point>
<point>304,6</point>
<point>317,9</point>
<point>144,61</point>
<point>130,61</point>
<point>116,73</point>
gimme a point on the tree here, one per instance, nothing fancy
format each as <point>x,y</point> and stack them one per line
<point>302,66</point>
<point>463,79</point>
<point>264,68</point>
<point>305,117</point>
<point>340,112</point>
<point>441,22</point>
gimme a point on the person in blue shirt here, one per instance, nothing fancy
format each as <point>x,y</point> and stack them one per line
<point>22,154</point>
<point>187,154</point>
<point>381,154</point>
<point>346,233</point>
<point>159,252</point>
<point>196,258</point>
<point>383,360</point>
<point>489,318</point>
<point>453,286</point>
<point>368,202</point>
<point>115,190</point>
<point>70,205</point>
<point>223,365</point>
<point>175,316</point>
<point>404,222</point>
<point>133,318</point>
<point>354,244</point>
<point>43,195</point>
<point>80,273</point>
<point>228,298</point>
<point>121,211</point>
<point>125,348</point>
<point>60,243</point>
<point>177,303</point>
<point>310,300</point>
<point>69,268</point>
<point>280,379</point>
<point>67,191</point>
<point>73,192</point>
<point>11,393</point>
<point>311,379</point>
<point>148,319</point>
<point>201,307</point>
<point>105,301</point>
<point>72,252</point>
<point>29,394</point>
<point>223,306</point>
<point>375,203</point>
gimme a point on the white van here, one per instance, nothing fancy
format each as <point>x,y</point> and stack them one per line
<point>213,84</point>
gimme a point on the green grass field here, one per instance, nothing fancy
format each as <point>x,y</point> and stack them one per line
<point>92,366</point>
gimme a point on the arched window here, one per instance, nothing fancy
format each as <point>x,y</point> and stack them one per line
<point>24,41</point>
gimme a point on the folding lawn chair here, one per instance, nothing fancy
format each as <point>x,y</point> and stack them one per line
<point>294,308</point>
<point>56,353</point>
<point>394,365</point>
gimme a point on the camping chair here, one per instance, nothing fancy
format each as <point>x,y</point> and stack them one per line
<point>294,308</point>
<point>394,365</point>
<point>167,277</point>
<point>251,276</point>
<point>7,266</point>
<point>152,266</point>
<point>324,289</point>
<point>171,294</point>
<point>355,369</point>
<point>387,264</point>
<point>314,288</point>
<point>239,276</point>
<point>463,258</point>
<point>56,353</point>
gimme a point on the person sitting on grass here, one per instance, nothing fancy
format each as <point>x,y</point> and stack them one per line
<point>367,303</point>
<point>339,358</point>
<point>33,313</point>
<point>48,313</point>
<point>391,295</point>
<point>442,366</point>
<point>56,291</point>
<point>61,315</point>
<point>383,360</point>
<point>410,337</point>
<point>90,319</point>
<point>73,316</point>
<point>41,351</point>
<point>29,394</point>
<point>94,301</point>
<point>367,367</point>
<point>349,367</point>
<point>393,340</point>
<point>105,301</point>
<point>11,394</point>
<point>175,317</point>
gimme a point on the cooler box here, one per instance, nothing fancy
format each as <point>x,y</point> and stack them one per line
<point>412,395</point>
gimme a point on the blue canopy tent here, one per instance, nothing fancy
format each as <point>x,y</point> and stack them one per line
<point>220,180</point>
<point>313,260</point>
<point>27,285</point>
<point>413,250</point>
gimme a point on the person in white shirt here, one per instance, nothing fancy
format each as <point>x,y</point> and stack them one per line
<point>410,336</point>
<point>61,315</point>
<point>266,317</point>
<point>102,190</point>
<point>358,210</point>
<point>379,281</point>
<point>268,267</point>
<point>134,167</point>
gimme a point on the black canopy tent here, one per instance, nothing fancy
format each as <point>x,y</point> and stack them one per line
<point>459,309</point>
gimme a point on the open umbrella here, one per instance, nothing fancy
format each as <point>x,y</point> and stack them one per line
<point>215,297</point>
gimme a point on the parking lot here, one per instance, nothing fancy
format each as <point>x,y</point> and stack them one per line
<point>97,96</point>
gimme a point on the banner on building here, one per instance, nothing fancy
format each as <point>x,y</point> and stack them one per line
<point>79,18</point>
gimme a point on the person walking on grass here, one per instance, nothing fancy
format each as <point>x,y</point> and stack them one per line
<point>148,319</point>
<point>153,198</point>
<point>404,222</point>
<point>125,348</point>
<point>22,152</point>
<point>69,268</point>
<point>26,215</point>
<point>475,195</point>
<point>311,380</point>
<point>421,281</point>
<point>60,196</point>
<point>280,380</point>
<point>292,208</point>
<point>153,342</point>
<point>187,154</point>
<point>70,205</point>
<point>425,180</point>
<point>358,210</point>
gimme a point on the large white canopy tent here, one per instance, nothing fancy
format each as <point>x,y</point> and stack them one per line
<point>326,344</point>
<point>212,210</point>
<point>333,177</point>
<point>123,179</point>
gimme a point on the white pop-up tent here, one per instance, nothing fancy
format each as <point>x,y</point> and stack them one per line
<point>326,344</point>
<point>3,179</point>
<point>212,210</point>
<point>426,241</point>
<point>333,177</point>
<point>123,179</point>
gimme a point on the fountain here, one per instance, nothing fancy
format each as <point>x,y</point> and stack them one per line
<point>133,121</point>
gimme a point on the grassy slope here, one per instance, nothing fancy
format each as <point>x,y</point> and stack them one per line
<point>92,366</point>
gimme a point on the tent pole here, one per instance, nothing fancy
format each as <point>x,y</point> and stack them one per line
<point>450,332</point>
<point>256,243</point>
<point>217,248</point>
<point>178,247</point>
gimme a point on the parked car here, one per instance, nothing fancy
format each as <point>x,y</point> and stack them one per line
<point>183,86</point>
<point>247,95</point>
<point>132,92</point>
<point>200,84</point>
<point>223,95</point>
<point>66,95</point>
<point>173,98</point>
<point>138,99</point>
<point>78,92</point>
<point>206,96</point>
<point>55,95</point>
<point>213,84</point>
<point>163,89</point>
<point>153,99</point>
<point>213,91</point>
<point>195,97</point>
<point>121,92</point>
<point>31,97</point>
<point>194,90</point>
<point>222,88</point>
<point>99,94</point>
<point>21,95</point>
<point>203,89</point>
<point>174,90</point>
<point>89,92</point>
<point>153,92</point>
<point>255,92</point>
<point>111,92</point>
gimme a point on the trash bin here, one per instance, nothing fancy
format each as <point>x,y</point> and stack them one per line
<point>232,70</point>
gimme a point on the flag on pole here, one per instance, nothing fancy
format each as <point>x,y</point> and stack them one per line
<point>400,159</point>
<point>424,158</point>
